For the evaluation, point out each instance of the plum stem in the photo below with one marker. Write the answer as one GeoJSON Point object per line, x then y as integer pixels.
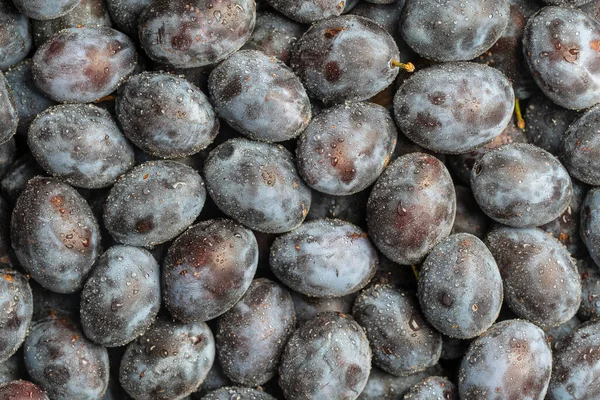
{"type": "Point", "coordinates": [415, 271]}
{"type": "Point", "coordinates": [408, 67]}
{"type": "Point", "coordinates": [520, 120]}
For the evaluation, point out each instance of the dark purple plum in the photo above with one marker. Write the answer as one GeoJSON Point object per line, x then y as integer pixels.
{"type": "Point", "coordinates": [121, 297]}
{"type": "Point", "coordinates": [80, 65]}
{"type": "Point", "coordinates": [208, 269]}
{"type": "Point", "coordinates": [237, 393]}
{"type": "Point", "coordinates": [384, 386]}
{"type": "Point", "coordinates": [580, 147]}
{"type": "Point", "coordinates": [43, 9]}
{"type": "Point", "coordinates": [54, 234]}
{"type": "Point", "coordinates": [441, 109]}
{"type": "Point", "coordinates": [251, 335]}
{"type": "Point", "coordinates": [347, 58]}
{"type": "Point", "coordinates": [16, 303]}
{"type": "Point", "coordinates": [21, 170]}
{"type": "Point", "coordinates": [81, 144]}
{"type": "Point", "coordinates": [453, 349]}
{"type": "Point", "coordinates": [274, 35]}
{"type": "Point", "coordinates": [326, 358]}
{"type": "Point", "coordinates": [411, 208]}
{"type": "Point", "coordinates": [591, 8]}
{"type": "Point", "coordinates": [309, 11]}
{"type": "Point", "coordinates": [9, 114]}
{"type": "Point", "coordinates": [165, 115]}
{"type": "Point", "coordinates": [259, 96]}
{"type": "Point", "coordinates": [453, 31]}
{"type": "Point", "coordinates": [48, 303]}
{"type": "Point", "coordinates": [8, 155]}
{"type": "Point", "coordinates": [63, 362]}
{"type": "Point", "coordinates": [216, 379]}
{"type": "Point", "coordinates": [562, 49]}
{"type": "Point", "coordinates": [153, 203]}
{"type": "Point", "coordinates": [15, 35]}
{"type": "Point", "coordinates": [433, 388]}
{"type": "Point", "coordinates": [347, 208]}
{"type": "Point", "coordinates": [576, 367]}
{"type": "Point", "coordinates": [346, 147]}
{"type": "Point", "coordinates": [469, 217]}
{"type": "Point", "coordinates": [400, 276]}
{"type": "Point", "coordinates": [7, 255]}
{"type": "Point", "coordinates": [324, 258]}
{"type": "Point", "coordinates": [547, 123]}
{"type": "Point", "coordinates": [168, 362]}
{"type": "Point", "coordinates": [511, 360]}
{"type": "Point", "coordinates": [30, 101]}
{"type": "Point", "coordinates": [460, 288]}
{"type": "Point", "coordinates": [258, 185]}
{"type": "Point", "coordinates": [402, 342]}
{"type": "Point", "coordinates": [590, 223]}
{"type": "Point", "coordinates": [22, 390]}
{"type": "Point", "coordinates": [86, 13]}
{"type": "Point", "coordinates": [308, 307]}
{"type": "Point", "coordinates": [126, 13]}
{"type": "Point", "coordinates": [567, 3]}
{"type": "Point", "coordinates": [541, 283]}
{"type": "Point", "coordinates": [194, 33]}
{"type": "Point", "coordinates": [589, 273]}
{"type": "Point", "coordinates": [13, 368]}
{"type": "Point", "coordinates": [558, 333]}
{"type": "Point", "coordinates": [521, 185]}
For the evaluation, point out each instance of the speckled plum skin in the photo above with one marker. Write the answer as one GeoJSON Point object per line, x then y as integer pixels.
{"type": "Point", "coordinates": [9, 114]}
{"type": "Point", "coordinates": [558, 333]}
{"type": "Point", "coordinates": [541, 283]}
{"type": "Point", "coordinates": [259, 96]}
{"type": "Point", "coordinates": [29, 100]}
{"type": "Point", "coordinates": [208, 269]}
{"type": "Point", "coordinates": [63, 362]}
{"type": "Point", "coordinates": [54, 234]}
{"type": "Point", "coordinates": [433, 388]}
{"type": "Point", "coordinates": [347, 58]}
{"type": "Point", "coordinates": [547, 123]}
{"type": "Point", "coordinates": [80, 65]}
{"type": "Point", "coordinates": [274, 35]}
{"type": "Point", "coordinates": [454, 107]}
{"type": "Point", "coordinates": [346, 147]}
{"type": "Point", "coordinates": [567, 3]}
{"type": "Point", "coordinates": [81, 144]}
{"type": "Point", "coordinates": [589, 273]}
{"type": "Point", "coordinates": [165, 115]}
{"type": "Point", "coordinates": [126, 13]}
{"type": "Point", "coordinates": [590, 223]}
{"type": "Point", "coordinates": [16, 303]}
{"type": "Point", "coordinates": [251, 335]}
{"type": "Point", "coordinates": [411, 208]}
{"type": "Point", "coordinates": [21, 170]}
{"type": "Point", "coordinates": [460, 288]}
{"type": "Point", "coordinates": [324, 258]}
{"type": "Point", "coordinates": [562, 49]}
{"type": "Point", "coordinates": [42, 9]}
{"type": "Point", "coordinates": [521, 185]}
{"type": "Point", "coordinates": [591, 8]}
{"type": "Point", "coordinates": [19, 389]}
{"type": "Point", "coordinates": [309, 11]}
{"type": "Point", "coordinates": [237, 393]}
{"type": "Point", "coordinates": [153, 203]}
{"type": "Point", "coordinates": [453, 31]}
{"type": "Point", "coordinates": [168, 362]}
{"type": "Point", "coordinates": [580, 148]}
{"type": "Point", "coordinates": [121, 297]}
{"type": "Point", "coordinates": [258, 185]}
{"type": "Point", "coordinates": [86, 13]}
{"type": "Point", "coordinates": [402, 342]}
{"type": "Point", "coordinates": [510, 360]}
{"type": "Point", "coordinates": [308, 307]}
{"type": "Point", "coordinates": [576, 369]}
{"type": "Point", "coordinates": [384, 386]}
{"type": "Point", "coordinates": [326, 358]}
{"type": "Point", "coordinates": [189, 34]}
{"type": "Point", "coordinates": [15, 35]}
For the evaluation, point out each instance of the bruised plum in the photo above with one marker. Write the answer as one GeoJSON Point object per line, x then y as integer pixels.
{"type": "Point", "coordinates": [347, 58]}
{"type": "Point", "coordinates": [562, 49]}
{"type": "Point", "coordinates": [54, 234]}
{"type": "Point", "coordinates": [402, 342]}
{"type": "Point", "coordinates": [80, 65]}
{"type": "Point", "coordinates": [17, 390]}
{"type": "Point", "coordinates": [521, 185]}
{"type": "Point", "coordinates": [511, 360]}
{"type": "Point", "coordinates": [257, 184]}
{"type": "Point", "coordinates": [324, 258]}
{"type": "Point", "coordinates": [454, 107]}
{"type": "Point", "coordinates": [194, 33]}
{"type": "Point", "coordinates": [208, 269]}
{"type": "Point", "coordinates": [168, 362]}
{"type": "Point", "coordinates": [346, 147]}
{"type": "Point", "coordinates": [411, 208]}
{"type": "Point", "coordinates": [326, 358]}
{"type": "Point", "coordinates": [80, 144]}
{"type": "Point", "coordinates": [251, 335]}
{"type": "Point", "coordinates": [259, 96]}
{"type": "Point", "coordinates": [64, 362]}
{"type": "Point", "coordinates": [153, 203]}
{"type": "Point", "coordinates": [16, 303]}
{"type": "Point", "coordinates": [540, 279]}
{"type": "Point", "coordinates": [580, 147]}
{"type": "Point", "coordinates": [121, 297]}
